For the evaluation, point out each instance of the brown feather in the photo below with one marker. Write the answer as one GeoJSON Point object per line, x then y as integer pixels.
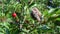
{"type": "Point", "coordinates": [36, 13]}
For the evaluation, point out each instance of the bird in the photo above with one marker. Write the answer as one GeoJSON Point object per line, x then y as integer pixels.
{"type": "Point", "coordinates": [36, 14]}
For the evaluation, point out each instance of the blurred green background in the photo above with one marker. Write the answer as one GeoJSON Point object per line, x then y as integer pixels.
{"type": "Point", "coordinates": [24, 23]}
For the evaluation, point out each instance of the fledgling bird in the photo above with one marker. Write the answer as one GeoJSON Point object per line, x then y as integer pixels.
{"type": "Point", "coordinates": [36, 14]}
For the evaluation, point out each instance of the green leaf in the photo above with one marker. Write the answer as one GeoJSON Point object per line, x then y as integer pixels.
{"type": "Point", "coordinates": [58, 12]}
{"type": "Point", "coordinates": [7, 31]}
{"type": "Point", "coordinates": [58, 19]}
{"type": "Point", "coordinates": [45, 13]}
{"type": "Point", "coordinates": [1, 33]}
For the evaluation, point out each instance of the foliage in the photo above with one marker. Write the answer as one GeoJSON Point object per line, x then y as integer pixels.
{"type": "Point", "coordinates": [24, 23]}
